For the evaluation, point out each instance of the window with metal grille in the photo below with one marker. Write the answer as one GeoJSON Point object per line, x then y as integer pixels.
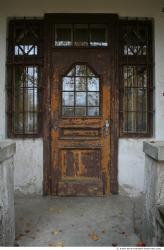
{"type": "Point", "coordinates": [24, 78]}
{"type": "Point", "coordinates": [136, 81]}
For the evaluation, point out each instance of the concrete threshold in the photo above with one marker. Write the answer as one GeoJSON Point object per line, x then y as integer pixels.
{"type": "Point", "coordinates": [75, 221]}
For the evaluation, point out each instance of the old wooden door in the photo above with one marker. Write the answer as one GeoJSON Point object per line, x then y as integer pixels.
{"type": "Point", "coordinates": [80, 104]}
{"type": "Point", "coordinates": [80, 125]}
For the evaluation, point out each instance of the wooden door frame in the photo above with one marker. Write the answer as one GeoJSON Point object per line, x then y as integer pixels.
{"type": "Point", "coordinates": [114, 121]}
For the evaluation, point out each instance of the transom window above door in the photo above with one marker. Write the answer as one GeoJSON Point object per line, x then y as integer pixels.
{"type": "Point", "coordinates": [81, 35]}
{"type": "Point", "coordinates": [80, 92]}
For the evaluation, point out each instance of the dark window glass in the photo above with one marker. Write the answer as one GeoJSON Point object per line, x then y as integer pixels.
{"type": "Point", "coordinates": [24, 88]}
{"type": "Point", "coordinates": [136, 89]}
{"type": "Point", "coordinates": [26, 40]}
{"type": "Point", "coordinates": [98, 35]}
{"type": "Point", "coordinates": [135, 40]}
{"type": "Point", "coordinates": [80, 92]}
{"type": "Point", "coordinates": [135, 99]}
{"type": "Point", "coordinates": [63, 35]}
{"type": "Point", "coordinates": [26, 99]}
{"type": "Point", "coordinates": [81, 35]}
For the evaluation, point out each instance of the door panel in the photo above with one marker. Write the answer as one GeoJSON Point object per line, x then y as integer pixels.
{"type": "Point", "coordinates": [80, 137]}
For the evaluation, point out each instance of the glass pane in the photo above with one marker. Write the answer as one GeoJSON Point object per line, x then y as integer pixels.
{"type": "Point", "coordinates": [26, 76]}
{"type": "Point", "coordinates": [130, 79]}
{"type": "Point", "coordinates": [80, 98]}
{"type": "Point", "coordinates": [93, 99]}
{"type": "Point", "coordinates": [135, 99]}
{"type": "Point", "coordinates": [93, 111]}
{"type": "Point", "coordinates": [68, 98]}
{"type": "Point", "coordinates": [134, 50]}
{"type": "Point", "coordinates": [31, 99]}
{"type": "Point", "coordinates": [26, 99]}
{"type": "Point", "coordinates": [31, 76]}
{"type": "Point", "coordinates": [81, 34]}
{"type": "Point", "coordinates": [81, 70]}
{"type": "Point", "coordinates": [72, 72]}
{"type": "Point", "coordinates": [79, 91]}
{"type": "Point", "coordinates": [80, 111]}
{"type": "Point", "coordinates": [129, 122]}
{"type": "Point", "coordinates": [20, 77]}
{"type": "Point", "coordinates": [19, 100]}
{"type": "Point", "coordinates": [29, 50]}
{"type": "Point", "coordinates": [27, 35]}
{"type": "Point", "coordinates": [68, 111]}
{"type": "Point", "coordinates": [142, 76]}
{"type": "Point", "coordinates": [80, 84]}
{"type": "Point", "coordinates": [68, 83]}
{"type": "Point", "coordinates": [130, 99]}
{"type": "Point", "coordinates": [26, 39]}
{"type": "Point", "coordinates": [135, 76]}
{"type": "Point", "coordinates": [31, 122]}
{"type": "Point", "coordinates": [135, 39]}
{"type": "Point", "coordinates": [63, 35]}
{"type": "Point", "coordinates": [142, 122]}
{"type": "Point", "coordinates": [142, 100]}
{"type": "Point", "coordinates": [93, 84]}
{"type": "Point", "coordinates": [98, 35]}
{"type": "Point", "coordinates": [89, 72]}
{"type": "Point", "coordinates": [18, 122]}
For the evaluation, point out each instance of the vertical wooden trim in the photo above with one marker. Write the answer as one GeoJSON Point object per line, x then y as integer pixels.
{"type": "Point", "coordinates": [114, 109]}
{"type": "Point", "coordinates": [46, 110]}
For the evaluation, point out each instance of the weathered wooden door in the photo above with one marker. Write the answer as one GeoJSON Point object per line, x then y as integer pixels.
{"type": "Point", "coordinates": [80, 121]}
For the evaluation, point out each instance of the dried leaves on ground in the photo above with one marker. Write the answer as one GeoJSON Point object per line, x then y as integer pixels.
{"type": "Point", "coordinates": [93, 236]}
{"type": "Point", "coordinates": [56, 244]}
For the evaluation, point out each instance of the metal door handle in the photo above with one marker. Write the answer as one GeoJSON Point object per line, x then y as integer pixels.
{"type": "Point", "coordinates": [106, 127]}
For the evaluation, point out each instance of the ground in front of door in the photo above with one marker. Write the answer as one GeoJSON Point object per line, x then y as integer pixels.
{"type": "Point", "coordinates": [76, 221]}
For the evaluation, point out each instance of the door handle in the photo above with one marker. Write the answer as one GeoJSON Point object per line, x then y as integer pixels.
{"type": "Point", "coordinates": [106, 127]}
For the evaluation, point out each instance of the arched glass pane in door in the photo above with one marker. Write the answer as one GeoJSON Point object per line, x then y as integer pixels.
{"type": "Point", "coordinates": [80, 92]}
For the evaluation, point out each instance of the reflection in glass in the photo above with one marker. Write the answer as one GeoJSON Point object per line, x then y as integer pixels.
{"type": "Point", "coordinates": [90, 72]}
{"type": "Point", "coordinates": [68, 111]}
{"type": "Point", "coordinates": [135, 50]}
{"type": "Point", "coordinates": [68, 83]}
{"type": "Point", "coordinates": [19, 100]}
{"type": "Point", "coordinates": [63, 35]}
{"type": "Point", "coordinates": [135, 99]}
{"type": "Point", "coordinates": [81, 70]}
{"type": "Point", "coordinates": [68, 98]}
{"type": "Point", "coordinates": [80, 111]}
{"type": "Point", "coordinates": [18, 122]}
{"type": "Point", "coordinates": [28, 50]}
{"type": "Point", "coordinates": [26, 99]}
{"type": "Point", "coordinates": [80, 83]}
{"type": "Point", "coordinates": [93, 84]}
{"type": "Point", "coordinates": [135, 76]}
{"type": "Point", "coordinates": [93, 99]}
{"type": "Point", "coordinates": [72, 72]}
{"type": "Point", "coordinates": [93, 111]}
{"type": "Point", "coordinates": [98, 35]}
{"type": "Point", "coordinates": [80, 99]}
{"type": "Point", "coordinates": [81, 35]}
{"type": "Point", "coordinates": [80, 92]}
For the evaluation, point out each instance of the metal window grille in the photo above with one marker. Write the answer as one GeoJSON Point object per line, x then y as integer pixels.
{"type": "Point", "coordinates": [136, 81]}
{"type": "Point", "coordinates": [24, 88]}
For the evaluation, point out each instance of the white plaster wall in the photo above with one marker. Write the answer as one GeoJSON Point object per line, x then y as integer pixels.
{"type": "Point", "coordinates": [131, 161]}
{"type": "Point", "coordinates": [29, 166]}
{"type": "Point", "coordinates": [29, 162]}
